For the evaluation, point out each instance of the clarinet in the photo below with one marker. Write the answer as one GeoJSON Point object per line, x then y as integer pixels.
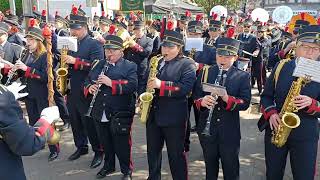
{"type": "Point", "coordinates": [88, 114]}
{"type": "Point", "coordinates": [206, 130]}
{"type": "Point", "coordinates": [23, 56]}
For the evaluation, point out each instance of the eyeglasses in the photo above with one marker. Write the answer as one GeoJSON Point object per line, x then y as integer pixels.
{"type": "Point", "coordinates": [246, 26]}
{"type": "Point", "coordinates": [309, 48]}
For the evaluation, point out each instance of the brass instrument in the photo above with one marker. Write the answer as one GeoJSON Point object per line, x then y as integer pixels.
{"type": "Point", "coordinates": [55, 138]}
{"type": "Point", "coordinates": [147, 97]}
{"type": "Point", "coordinates": [62, 72]}
{"type": "Point", "coordinates": [291, 54]}
{"type": "Point", "coordinates": [126, 44]}
{"type": "Point", "coordinates": [289, 120]}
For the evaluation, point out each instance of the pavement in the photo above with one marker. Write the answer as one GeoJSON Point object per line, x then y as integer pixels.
{"type": "Point", "coordinates": [252, 166]}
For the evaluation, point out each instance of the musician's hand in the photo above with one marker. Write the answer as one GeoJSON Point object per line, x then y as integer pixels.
{"type": "Point", "coordinates": [256, 53]}
{"type": "Point", "coordinates": [70, 59]}
{"type": "Point", "coordinates": [21, 65]}
{"type": "Point", "coordinates": [225, 98]}
{"type": "Point", "coordinates": [103, 79]}
{"type": "Point", "coordinates": [208, 101]}
{"type": "Point", "coordinates": [274, 121]}
{"type": "Point", "coordinates": [302, 101]}
{"type": "Point", "coordinates": [197, 65]}
{"type": "Point", "coordinates": [154, 83]}
{"type": "Point", "coordinates": [93, 88]}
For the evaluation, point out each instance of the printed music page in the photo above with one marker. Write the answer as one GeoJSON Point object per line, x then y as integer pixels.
{"type": "Point", "coordinates": [196, 43]}
{"type": "Point", "coordinates": [307, 67]}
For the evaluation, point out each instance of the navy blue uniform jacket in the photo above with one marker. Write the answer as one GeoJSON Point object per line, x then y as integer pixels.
{"type": "Point", "coordinates": [225, 119]}
{"type": "Point", "coordinates": [170, 104]}
{"type": "Point", "coordinates": [274, 95]}
{"type": "Point", "coordinates": [119, 97]}
{"type": "Point", "coordinates": [18, 138]}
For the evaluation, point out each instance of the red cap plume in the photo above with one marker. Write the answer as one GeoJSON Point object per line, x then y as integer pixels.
{"type": "Point", "coordinates": [215, 16]}
{"type": "Point", "coordinates": [43, 13]}
{"type": "Point", "coordinates": [170, 25]}
{"type": "Point", "coordinates": [318, 21]}
{"type": "Point", "coordinates": [230, 32]}
{"type": "Point", "coordinates": [199, 17]}
{"type": "Point", "coordinates": [75, 10]}
{"type": "Point", "coordinates": [46, 32]}
{"type": "Point", "coordinates": [286, 29]}
{"type": "Point", "coordinates": [303, 15]}
{"type": "Point", "coordinates": [103, 13]}
{"type": "Point", "coordinates": [188, 13]}
{"type": "Point", "coordinates": [264, 23]}
{"type": "Point", "coordinates": [32, 22]}
{"type": "Point", "coordinates": [112, 29]}
{"type": "Point", "coordinates": [34, 8]}
{"type": "Point", "coordinates": [229, 21]}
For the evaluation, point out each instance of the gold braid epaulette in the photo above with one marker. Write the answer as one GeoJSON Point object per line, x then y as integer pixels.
{"type": "Point", "coordinates": [278, 70]}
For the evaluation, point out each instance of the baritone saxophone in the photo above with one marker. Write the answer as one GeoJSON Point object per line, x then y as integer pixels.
{"type": "Point", "coordinates": [147, 97]}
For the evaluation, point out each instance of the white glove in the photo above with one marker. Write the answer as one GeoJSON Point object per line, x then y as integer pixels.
{"type": "Point", "coordinates": [50, 114]}
{"type": "Point", "coordinates": [15, 88]}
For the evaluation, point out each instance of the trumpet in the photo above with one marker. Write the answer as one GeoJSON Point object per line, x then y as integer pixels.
{"type": "Point", "coordinates": [88, 114]}
{"type": "Point", "coordinates": [127, 43]}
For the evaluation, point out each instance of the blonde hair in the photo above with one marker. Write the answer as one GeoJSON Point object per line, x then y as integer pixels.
{"type": "Point", "coordinates": [41, 49]}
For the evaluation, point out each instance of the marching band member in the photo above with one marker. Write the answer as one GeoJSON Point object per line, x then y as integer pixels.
{"type": "Point", "coordinates": [303, 141]}
{"type": "Point", "coordinates": [9, 52]}
{"type": "Point", "coordinates": [154, 34]}
{"type": "Point", "coordinates": [183, 23]}
{"type": "Point", "coordinates": [61, 25]}
{"type": "Point", "coordinates": [289, 49]}
{"type": "Point", "coordinates": [79, 65]}
{"type": "Point", "coordinates": [14, 35]}
{"type": "Point", "coordinates": [115, 99]}
{"type": "Point", "coordinates": [258, 70]}
{"type": "Point", "coordinates": [224, 142]}
{"type": "Point", "coordinates": [34, 73]}
{"type": "Point", "coordinates": [249, 43]}
{"type": "Point", "coordinates": [105, 23]}
{"type": "Point", "coordinates": [215, 30]}
{"type": "Point", "coordinates": [169, 111]}
{"type": "Point", "coordinates": [139, 52]}
{"type": "Point", "coordinates": [206, 57]}
{"type": "Point", "coordinates": [17, 138]}
{"type": "Point", "coordinates": [96, 22]}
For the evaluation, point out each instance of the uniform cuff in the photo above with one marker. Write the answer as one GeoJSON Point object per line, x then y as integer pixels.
{"type": "Point", "coordinates": [138, 48]}
{"type": "Point", "coordinates": [79, 64]}
{"type": "Point", "coordinates": [268, 112]}
{"type": "Point", "coordinates": [117, 86]}
{"type": "Point", "coordinates": [233, 102]}
{"type": "Point", "coordinates": [42, 125]}
{"type": "Point", "coordinates": [6, 69]}
{"type": "Point", "coordinates": [27, 74]}
{"type": "Point", "coordinates": [314, 107]}
{"type": "Point", "coordinates": [281, 54]}
{"type": "Point", "coordinates": [198, 103]}
{"type": "Point", "coordinates": [167, 88]}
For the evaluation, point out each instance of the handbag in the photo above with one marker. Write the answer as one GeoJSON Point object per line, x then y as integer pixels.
{"type": "Point", "coordinates": [121, 122]}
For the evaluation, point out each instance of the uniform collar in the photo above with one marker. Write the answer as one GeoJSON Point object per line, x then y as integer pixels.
{"type": "Point", "coordinates": [119, 62]}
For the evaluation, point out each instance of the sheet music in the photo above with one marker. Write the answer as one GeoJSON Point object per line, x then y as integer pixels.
{"type": "Point", "coordinates": [196, 43]}
{"type": "Point", "coordinates": [308, 67]}
{"type": "Point", "coordinates": [70, 42]}
{"type": "Point", "coordinates": [214, 89]}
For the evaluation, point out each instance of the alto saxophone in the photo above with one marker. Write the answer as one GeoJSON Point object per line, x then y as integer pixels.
{"type": "Point", "coordinates": [62, 72]}
{"type": "Point", "coordinates": [289, 120]}
{"type": "Point", "coordinates": [147, 97]}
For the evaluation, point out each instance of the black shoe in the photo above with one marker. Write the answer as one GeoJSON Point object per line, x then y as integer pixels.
{"type": "Point", "coordinates": [53, 156]}
{"type": "Point", "coordinates": [64, 127]}
{"type": "Point", "coordinates": [126, 177]}
{"type": "Point", "coordinates": [97, 160]}
{"type": "Point", "coordinates": [79, 152]}
{"type": "Point", "coordinates": [104, 172]}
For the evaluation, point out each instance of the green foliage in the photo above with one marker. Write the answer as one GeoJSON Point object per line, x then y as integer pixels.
{"type": "Point", "coordinates": [209, 4]}
{"type": "Point", "coordinates": [4, 5]}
